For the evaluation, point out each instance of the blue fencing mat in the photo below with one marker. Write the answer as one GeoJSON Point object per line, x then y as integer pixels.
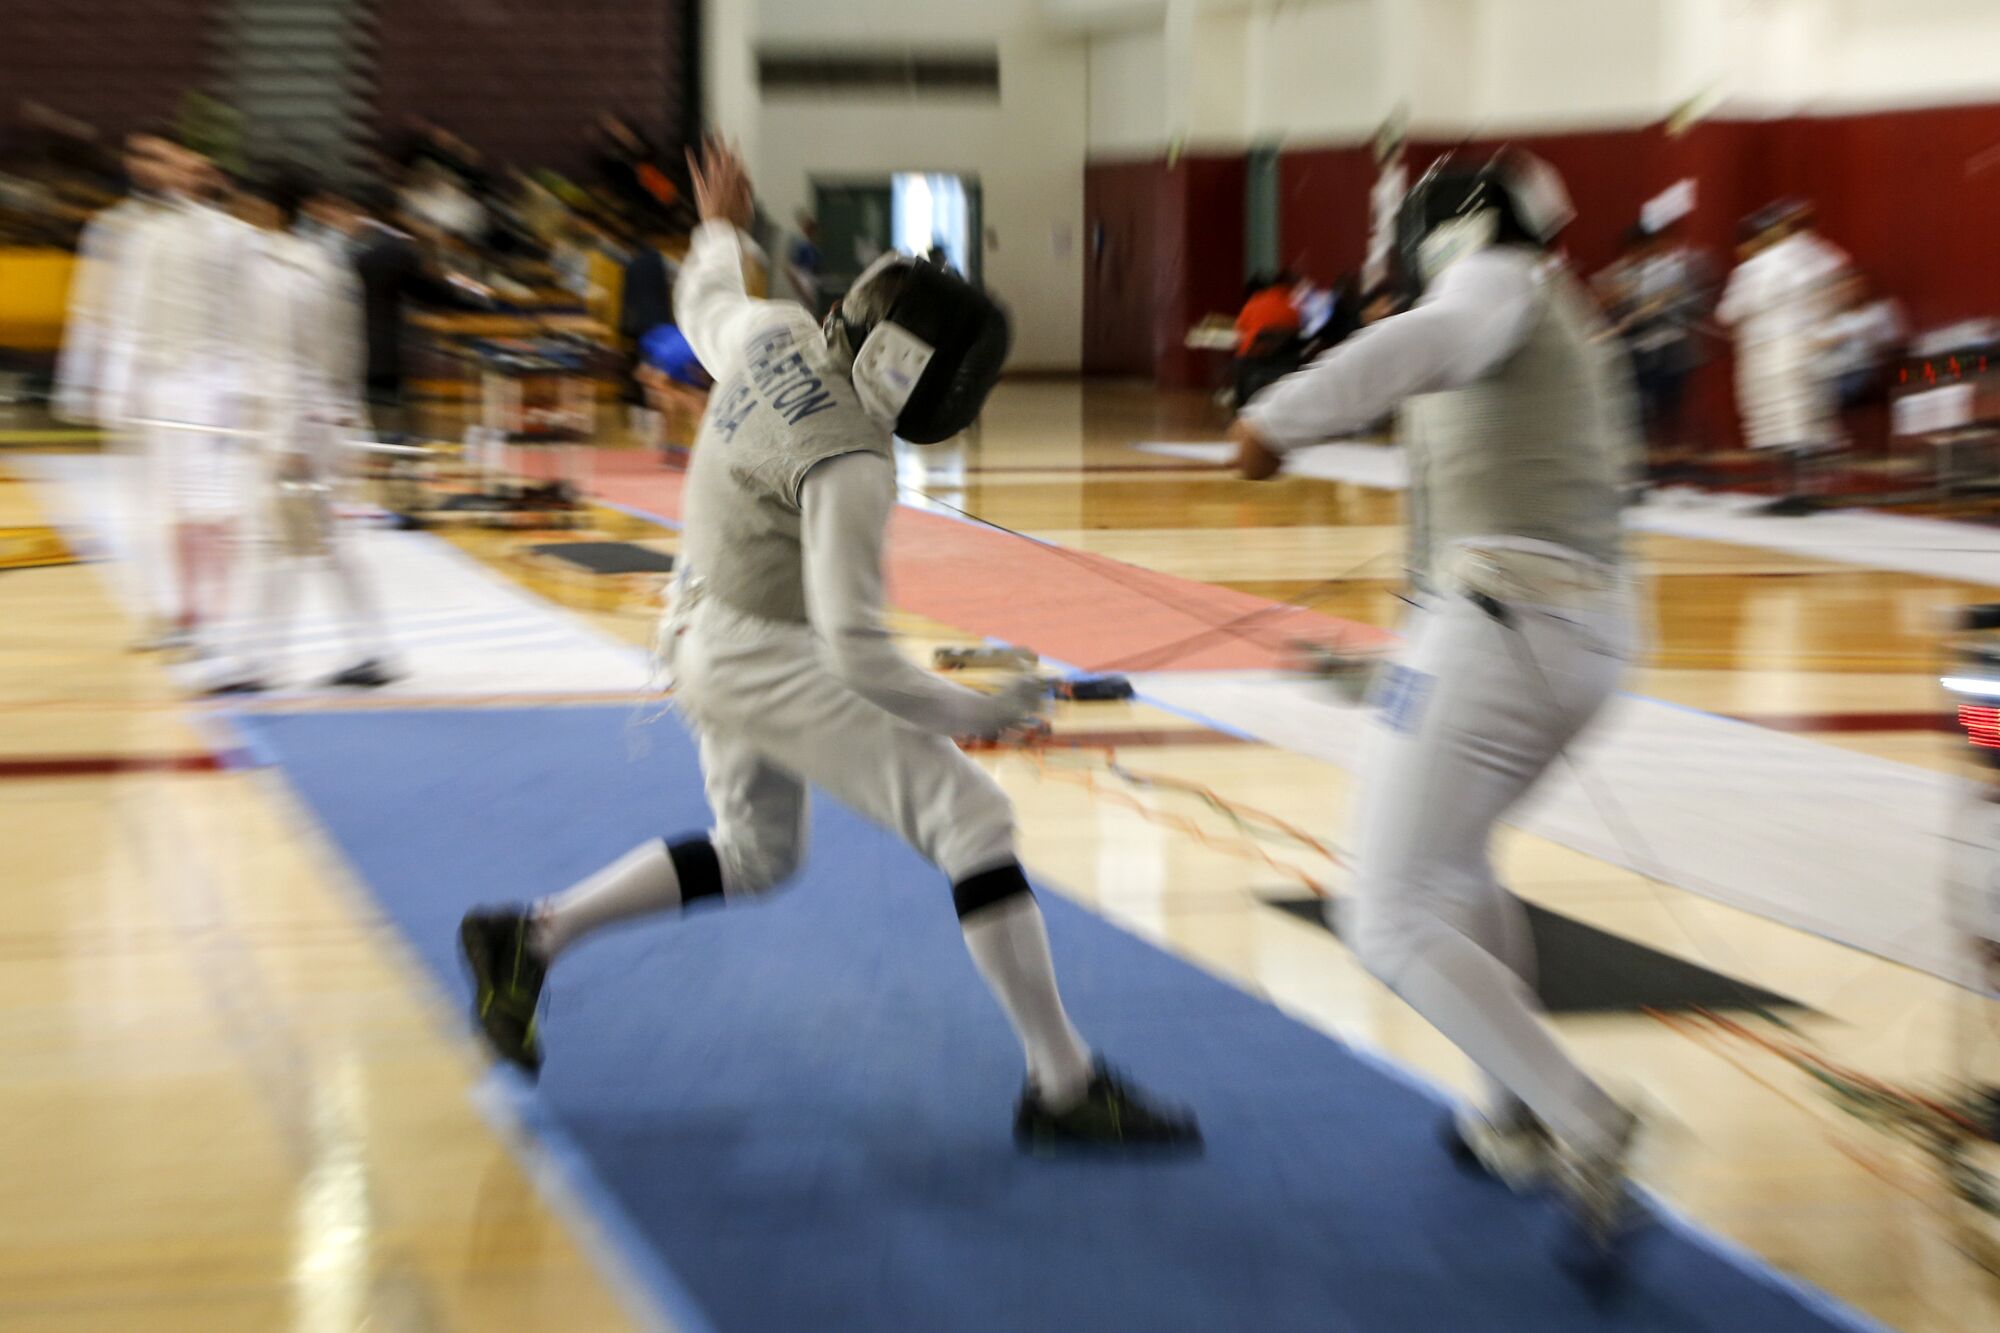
{"type": "Point", "coordinates": [799, 1110]}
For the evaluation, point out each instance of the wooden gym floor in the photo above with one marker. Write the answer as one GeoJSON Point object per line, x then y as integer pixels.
{"type": "Point", "coordinates": [230, 1101]}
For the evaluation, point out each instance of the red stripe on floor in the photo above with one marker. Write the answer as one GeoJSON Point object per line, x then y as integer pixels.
{"type": "Point", "coordinates": [105, 765]}
{"type": "Point", "coordinates": [1810, 722]}
{"type": "Point", "coordinates": [1092, 612]}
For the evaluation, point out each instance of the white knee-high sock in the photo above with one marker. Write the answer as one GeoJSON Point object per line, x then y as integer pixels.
{"type": "Point", "coordinates": [1010, 946]}
{"type": "Point", "coordinates": [638, 883]}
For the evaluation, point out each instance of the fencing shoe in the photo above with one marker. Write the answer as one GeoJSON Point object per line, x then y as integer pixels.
{"type": "Point", "coordinates": [507, 983]}
{"type": "Point", "coordinates": [1110, 1114]}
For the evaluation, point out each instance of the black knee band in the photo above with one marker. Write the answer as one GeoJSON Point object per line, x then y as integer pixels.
{"type": "Point", "coordinates": [697, 868]}
{"type": "Point", "coordinates": [977, 892]}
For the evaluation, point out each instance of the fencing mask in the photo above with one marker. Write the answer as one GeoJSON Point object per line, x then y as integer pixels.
{"type": "Point", "coordinates": [928, 346]}
{"type": "Point", "coordinates": [1460, 207]}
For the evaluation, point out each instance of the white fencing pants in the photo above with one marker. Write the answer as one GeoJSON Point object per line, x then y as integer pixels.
{"type": "Point", "coordinates": [771, 719]}
{"type": "Point", "coordinates": [280, 585]}
{"type": "Point", "coordinates": [1784, 401]}
{"type": "Point", "coordinates": [1468, 715]}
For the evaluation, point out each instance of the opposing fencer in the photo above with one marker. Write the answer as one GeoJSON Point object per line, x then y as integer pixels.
{"type": "Point", "coordinates": [786, 676]}
{"type": "Point", "coordinates": [1517, 419]}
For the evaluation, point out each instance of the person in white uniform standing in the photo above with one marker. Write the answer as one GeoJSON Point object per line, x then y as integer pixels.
{"type": "Point", "coordinates": [1777, 302]}
{"type": "Point", "coordinates": [1517, 418]}
{"type": "Point", "coordinates": [306, 385]}
{"type": "Point", "coordinates": [87, 367]}
{"type": "Point", "coordinates": [179, 366]}
{"type": "Point", "coordinates": [786, 675]}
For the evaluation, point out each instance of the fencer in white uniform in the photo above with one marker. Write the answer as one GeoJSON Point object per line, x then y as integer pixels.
{"type": "Point", "coordinates": [178, 370]}
{"type": "Point", "coordinates": [784, 672]}
{"type": "Point", "coordinates": [1517, 418]}
{"type": "Point", "coordinates": [1777, 302]}
{"type": "Point", "coordinates": [85, 369]}
{"type": "Point", "coordinates": [306, 374]}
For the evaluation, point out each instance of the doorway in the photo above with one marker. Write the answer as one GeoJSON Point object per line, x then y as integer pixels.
{"type": "Point", "coordinates": [935, 213]}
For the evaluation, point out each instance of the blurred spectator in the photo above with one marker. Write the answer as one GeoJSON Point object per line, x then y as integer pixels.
{"type": "Point", "coordinates": [645, 309]}
{"type": "Point", "coordinates": [177, 370]}
{"type": "Point", "coordinates": [393, 274]}
{"type": "Point", "coordinates": [104, 257]}
{"type": "Point", "coordinates": [1328, 318]}
{"type": "Point", "coordinates": [638, 172]}
{"type": "Point", "coordinates": [1658, 296]}
{"type": "Point", "coordinates": [107, 260]}
{"type": "Point", "coordinates": [1777, 301]}
{"type": "Point", "coordinates": [304, 317]}
{"type": "Point", "coordinates": [424, 144]}
{"type": "Point", "coordinates": [676, 386]}
{"type": "Point", "coordinates": [438, 198]}
{"type": "Point", "coordinates": [1268, 346]}
{"type": "Point", "coordinates": [803, 264]}
{"type": "Point", "coordinates": [1385, 200]}
{"type": "Point", "coordinates": [1858, 341]}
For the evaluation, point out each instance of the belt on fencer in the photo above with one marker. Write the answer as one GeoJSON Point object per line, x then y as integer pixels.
{"type": "Point", "coordinates": [1528, 574]}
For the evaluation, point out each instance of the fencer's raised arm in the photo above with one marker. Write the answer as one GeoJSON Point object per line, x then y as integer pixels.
{"type": "Point", "coordinates": [845, 504]}
{"type": "Point", "coordinates": [713, 308]}
{"type": "Point", "coordinates": [1475, 315]}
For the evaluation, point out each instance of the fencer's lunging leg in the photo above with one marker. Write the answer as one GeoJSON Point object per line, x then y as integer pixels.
{"type": "Point", "coordinates": [1464, 731]}
{"type": "Point", "coordinates": [755, 845]}
{"type": "Point", "coordinates": [1503, 928]}
{"type": "Point", "coordinates": [922, 787]}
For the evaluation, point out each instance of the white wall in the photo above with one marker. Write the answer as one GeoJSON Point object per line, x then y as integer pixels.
{"type": "Point", "coordinates": [1558, 63]}
{"type": "Point", "coordinates": [1128, 94]}
{"type": "Point", "coordinates": [1904, 53]}
{"type": "Point", "coordinates": [1027, 148]}
{"type": "Point", "coordinates": [1216, 108]}
{"type": "Point", "coordinates": [1318, 76]}
{"type": "Point", "coordinates": [1329, 71]}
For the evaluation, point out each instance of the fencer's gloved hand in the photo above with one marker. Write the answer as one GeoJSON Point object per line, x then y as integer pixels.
{"type": "Point", "coordinates": [1255, 460]}
{"type": "Point", "coordinates": [1015, 706]}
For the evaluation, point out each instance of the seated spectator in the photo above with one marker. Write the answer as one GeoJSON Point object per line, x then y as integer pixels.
{"type": "Point", "coordinates": [1858, 341]}
{"type": "Point", "coordinates": [1341, 316]}
{"type": "Point", "coordinates": [1268, 346]}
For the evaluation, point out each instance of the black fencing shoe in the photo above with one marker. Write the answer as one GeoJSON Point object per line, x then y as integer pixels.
{"type": "Point", "coordinates": [238, 685]}
{"type": "Point", "coordinates": [1595, 1187]}
{"type": "Point", "coordinates": [369, 674]}
{"type": "Point", "coordinates": [507, 983]}
{"type": "Point", "coordinates": [1111, 1114]}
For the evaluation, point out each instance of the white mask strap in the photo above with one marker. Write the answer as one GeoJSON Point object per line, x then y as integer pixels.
{"type": "Point", "coordinates": [887, 368]}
